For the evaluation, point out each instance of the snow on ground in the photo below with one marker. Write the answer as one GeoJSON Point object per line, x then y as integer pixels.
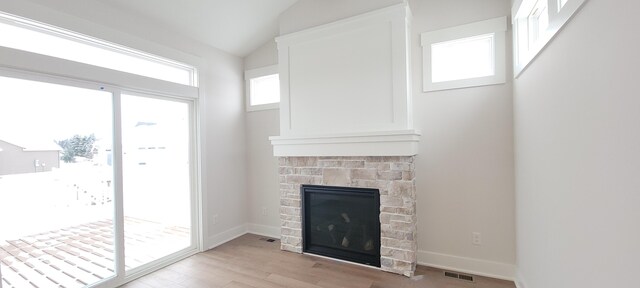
{"type": "Point", "coordinates": [37, 202]}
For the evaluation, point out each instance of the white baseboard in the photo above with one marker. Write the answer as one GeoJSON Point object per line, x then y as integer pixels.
{"type": "Point", "coordinates": [473, 266]}
{"type": "Point", "coordinates": [226, 236]}
{"type": "Point", "coordinates": [264, 230]}
{"type": "Point", "coordinates": [519, 280]}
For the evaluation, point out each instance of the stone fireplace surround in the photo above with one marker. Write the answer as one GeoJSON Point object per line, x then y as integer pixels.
{"type": "Point", "coordinates": [394, 176]}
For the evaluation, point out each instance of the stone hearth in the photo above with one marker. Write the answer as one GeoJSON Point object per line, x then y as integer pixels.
{"type": "Point", "coordinates": [395, 178]}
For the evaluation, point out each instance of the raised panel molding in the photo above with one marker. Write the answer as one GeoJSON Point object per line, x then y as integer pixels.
{"type": "Point", "coordinates": [345, 88]}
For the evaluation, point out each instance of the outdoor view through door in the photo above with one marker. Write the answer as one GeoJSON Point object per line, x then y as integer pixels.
{"type": "Point", "coordinates": [56, 185]}
{"type": "Point", "coordinates": [59, 182]}
{"type": "Point", "coordinates": [155, 144]}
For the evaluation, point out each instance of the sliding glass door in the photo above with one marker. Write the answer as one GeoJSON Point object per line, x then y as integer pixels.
{"type": "Point", "coordinates": [156, 173]}
{"type": "Point", "coordinates": [77, 210]}
{"type": "Point", "coordinates": [56, 185]}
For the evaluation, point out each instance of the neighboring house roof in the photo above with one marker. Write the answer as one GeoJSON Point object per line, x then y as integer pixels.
{"type": "Point", "coordinates": [32, 145]}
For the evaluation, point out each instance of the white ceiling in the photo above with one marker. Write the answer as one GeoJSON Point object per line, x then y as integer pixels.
{"type": "Point", "coordinates": [237, 27]}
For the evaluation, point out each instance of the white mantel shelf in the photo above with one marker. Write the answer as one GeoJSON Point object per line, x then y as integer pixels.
{"type": "Point", "coordinates": [383, 143]}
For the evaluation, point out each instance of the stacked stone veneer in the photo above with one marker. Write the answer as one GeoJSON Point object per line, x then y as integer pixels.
{"type": "Point", "coordinates": [393, 176]}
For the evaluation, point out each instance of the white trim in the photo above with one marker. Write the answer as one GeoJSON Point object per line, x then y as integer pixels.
{"type": "Point", "coordinates": [118, 190]}
{"type": "Point", "coordinates": [156, 265]}
{"type": "Point", "coordinates": [522, 57]}
{"type": "Point", "coordinates": [13, 59]}
{"type": "Point", "coordinates": [255, 73]}
{"type": "Point", "coordinates": [240, 230]}
{"type": "Point", "coordinates": [264, 230]}
{"type": "Point", "coordinates": [387, 143]}
{"type": "Point", "coordinates": [496, 26]}
{"type": "Point", "coordinates": [226, 236]}
{"type": "Point", "coordinates": [473, 266]}
{"type": "Point", "coordinates": [47, 29]}
{"type": "Point", "coordinates": [519, 280]}
{"type": "Point", "coordinates": [201, 140]}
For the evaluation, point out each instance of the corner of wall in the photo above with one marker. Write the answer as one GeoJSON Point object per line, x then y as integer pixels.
{"type": "Point", "coordinates": [518, 280]}
{"type": "Point", "coordinates": [264, 230]}
{"type": "Point", "coordinates": [225, 236]}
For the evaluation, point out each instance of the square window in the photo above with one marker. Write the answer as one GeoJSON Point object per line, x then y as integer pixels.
{"type": "Point", "coordinates": [262, 88]}
{"type": "Point", "coordinates": [465, 56]}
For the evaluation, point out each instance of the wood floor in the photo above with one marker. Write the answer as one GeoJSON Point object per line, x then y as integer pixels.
{"type": "Point", "coordinates": [249, 262]}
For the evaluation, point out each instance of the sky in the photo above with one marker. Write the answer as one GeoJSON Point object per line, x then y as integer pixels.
{"type": "Point", "coordinates": [38, 113]}
{"type": "Point", "coordinates": [35, 114]}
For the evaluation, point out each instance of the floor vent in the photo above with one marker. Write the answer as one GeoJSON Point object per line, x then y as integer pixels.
{"type": "Point", "coordinates": [268, 239]}
{"type": "Point", "coordinates": [458, 276]}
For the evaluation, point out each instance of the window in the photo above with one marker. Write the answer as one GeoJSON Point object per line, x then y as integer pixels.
{"type": "Point", "coordinates": [538, 21]}
{"type": "Point", "coordinates": [561, 4]}
{"type": "Point", "coordinates": [262, 88]}
{"type": "Point", "coordinates": [464, 56]}
{"type": "Point", "coordinates": [27, 35]}
{"type": "Point", "coordinates": [535, 22]}
{"type": "Point", "coordinates": [462, 59]}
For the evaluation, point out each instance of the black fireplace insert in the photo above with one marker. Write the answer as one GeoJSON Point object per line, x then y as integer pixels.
{"type": "Point", "coordinates": [342, 223]}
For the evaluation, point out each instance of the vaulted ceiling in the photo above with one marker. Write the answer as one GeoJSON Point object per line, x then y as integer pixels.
{"type": "Point", "coordinates": [237, 27]}
{"type": "Point", "coordinates": [234, 26]}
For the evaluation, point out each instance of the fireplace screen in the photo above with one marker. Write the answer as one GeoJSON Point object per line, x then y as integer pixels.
{"type": "Point", "coordinates": [342, 222]}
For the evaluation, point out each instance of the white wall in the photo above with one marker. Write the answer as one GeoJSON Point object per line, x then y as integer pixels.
{"type": "Point", "coordinates": [465, 166]}
{"type": "Point", "coordinates": [222, 117]}
{"type": "Point", "coordinates": [262, 167]}
{"type": "Point", "coordinates": [577, 123]}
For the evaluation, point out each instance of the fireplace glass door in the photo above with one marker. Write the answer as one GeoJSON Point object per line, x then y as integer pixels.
{"type": "Point", "coordinates": [342, 223]}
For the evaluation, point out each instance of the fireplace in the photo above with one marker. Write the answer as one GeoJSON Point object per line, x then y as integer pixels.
{"type": "Point", "coordinates": [346, 119]}
{"type": "Point", "coordinates": [341, 222]}
{"type": "Point", "coordinates": [393, 177]}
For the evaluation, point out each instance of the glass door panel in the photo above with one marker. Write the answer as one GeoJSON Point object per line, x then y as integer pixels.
{"type": "Point", "coordinates": [156, 178]}
{"type": "Point", "coordinates": [56, 185]}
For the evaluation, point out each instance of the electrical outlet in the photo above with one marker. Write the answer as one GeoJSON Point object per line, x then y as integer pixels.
{"type": "Point", "coordinates": [476, 238]}
{"type": "Point", "coordinates": [264, 211]}
{"type": "Point", "coordinates": [215, 219]}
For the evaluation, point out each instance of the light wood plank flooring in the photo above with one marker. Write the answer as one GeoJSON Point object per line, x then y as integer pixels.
{"type": "Point", "coordinates": [249, 262]}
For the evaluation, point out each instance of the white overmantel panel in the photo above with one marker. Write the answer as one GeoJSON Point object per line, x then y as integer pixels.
{"type": "Point", "coordinates": [346, 77]}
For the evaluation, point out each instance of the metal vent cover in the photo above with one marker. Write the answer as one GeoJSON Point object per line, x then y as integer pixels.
{"type": "Point", "coordinates": [455, 275]}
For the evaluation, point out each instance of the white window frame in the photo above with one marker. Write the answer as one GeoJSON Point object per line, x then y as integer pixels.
{"type": "Point", "coordinates": [256, 73]}
{"type": "Point", "coordinates": [495, 26]}
{"type": "Point", "coordinates": [115, 49]}
{"type": "Point", "coordinates": [523, 51]}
